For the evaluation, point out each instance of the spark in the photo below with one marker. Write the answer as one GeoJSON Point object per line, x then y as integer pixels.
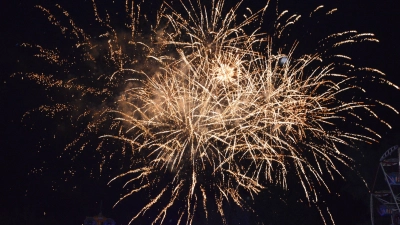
{"type": "Point", "coordinates": [203, 105]}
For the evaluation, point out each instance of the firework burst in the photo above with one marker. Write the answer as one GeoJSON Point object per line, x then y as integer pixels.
{"type": "Point", "coordinates": [207, 104]}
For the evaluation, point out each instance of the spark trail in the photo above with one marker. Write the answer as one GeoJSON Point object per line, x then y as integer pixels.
{"type": "Point", "coordinates": [206, 104]}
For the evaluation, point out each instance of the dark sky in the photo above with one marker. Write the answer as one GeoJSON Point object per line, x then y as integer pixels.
{"type": "Point", "coordinates": [28, 198]}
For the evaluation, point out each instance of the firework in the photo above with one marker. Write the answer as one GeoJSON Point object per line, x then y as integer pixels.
{"type": "Point", "coordinates": [207, 104]}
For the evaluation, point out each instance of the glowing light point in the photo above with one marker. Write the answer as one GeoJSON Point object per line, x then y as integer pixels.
{"type": "Point", "coordinates": [282, 61]}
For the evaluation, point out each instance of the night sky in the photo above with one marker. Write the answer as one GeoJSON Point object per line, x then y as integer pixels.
{"type": "Point", "coordinates": [33, 190]}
